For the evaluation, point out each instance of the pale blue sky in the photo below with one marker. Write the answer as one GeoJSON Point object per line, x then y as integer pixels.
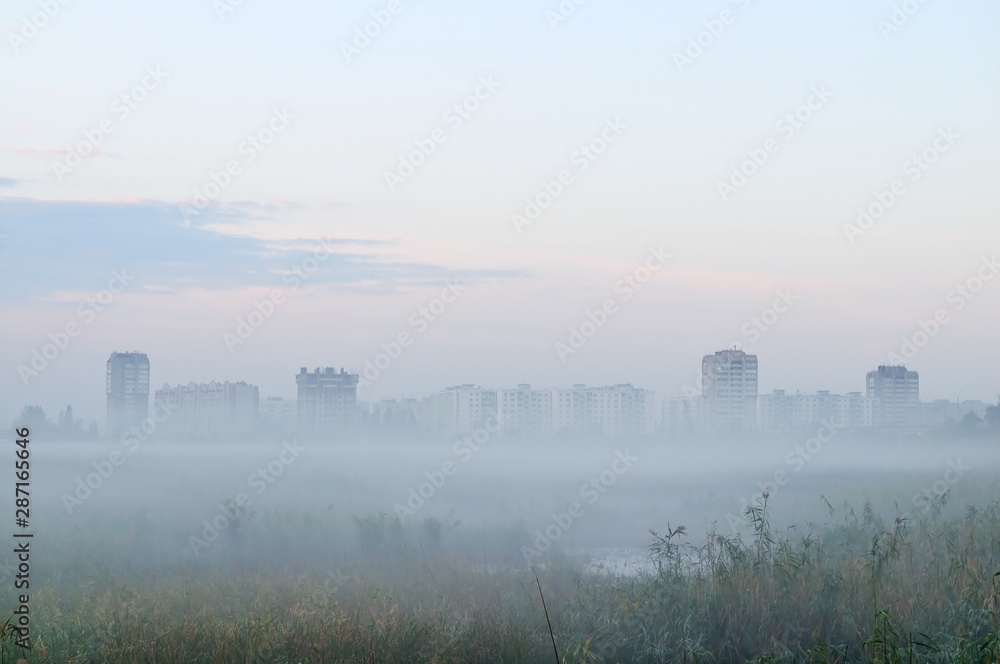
{"type": "Point", "coordinates": [323, 176]}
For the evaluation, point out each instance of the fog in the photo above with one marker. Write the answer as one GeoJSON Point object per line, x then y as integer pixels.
{"type": "Point", "coordinates": [408, 544]}
{"type": "Point", "coordinates": [524, 331]}
{"type": "Point", "coordinates": [301, 498]}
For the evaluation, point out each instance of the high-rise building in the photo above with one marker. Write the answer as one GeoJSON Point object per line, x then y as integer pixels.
{"type": "Point", "coordinates": [128, 391]}
{"type": "Point", "coordinates": [898, 394]}
{"type": "Point", "coordinates": [327, 402]}
{"type": "Point", "coordinates": [210, 409]}
{"type": "Point", "coordinates": [729, 385]}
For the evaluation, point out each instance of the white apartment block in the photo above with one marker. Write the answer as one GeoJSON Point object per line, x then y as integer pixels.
{"type": "Point", "coordinates": [862, 410]}
{"type": "Point", "coordinates": [781, 412]}
{"type": "Point", "coordinates": [898, 394]}
{"type": "Point", "coordinates": [459, 410]}
{"type": "Point", "coordinates": [327, 402]}
{"type": "Point", "coordinates": [279, 414]}
{"type": "Point", "coordinates": [729, 385]}
{"type": "Point", "coordinates": [620, 410]}
{"type": "Point", "coordinates": [569, 408]}
{"type": "Point", "coordinates": [212, 409]}
{"type": "Point", "coordinates": [525, 411]}
{"type": "Point", "coordinates": [617, 410]}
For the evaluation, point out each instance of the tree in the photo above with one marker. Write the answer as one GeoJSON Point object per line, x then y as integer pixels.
{"type": "Point", "coordinates": [68, 425]}
{"type": "Point", "coordinates": [971, 421]}
{"type": "Point", "coordinates": [34, 418]}
{"type": "Point", "coordinates": [993, 416]}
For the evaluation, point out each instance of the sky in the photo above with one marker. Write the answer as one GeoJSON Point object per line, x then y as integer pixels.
{"type": "Point", "coordinates": [169, 170]}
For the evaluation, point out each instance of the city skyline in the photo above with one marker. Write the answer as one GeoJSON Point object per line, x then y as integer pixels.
{"type": "Point", "coordinates": [674, 322]}
{"type": "Point", "coordinates": [810, 197]}
{"type": "Point", "coordinates": [724, 399]}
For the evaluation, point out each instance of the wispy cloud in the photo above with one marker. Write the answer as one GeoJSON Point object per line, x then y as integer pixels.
{"type": "Point", "coordinates": [64, 244]}
{"type": "Point", "coordinates": [8, 182]}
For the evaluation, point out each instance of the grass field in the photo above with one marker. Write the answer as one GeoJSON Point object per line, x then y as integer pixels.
{"type": "Point", "coordinates": [855, 588]}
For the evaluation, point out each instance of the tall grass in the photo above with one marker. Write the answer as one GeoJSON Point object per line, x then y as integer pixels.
{"type": "Point", "coordinates": [855, 588]}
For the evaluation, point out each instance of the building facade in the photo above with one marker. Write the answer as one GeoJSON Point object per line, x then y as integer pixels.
{"type": "Point", "coordinates": [617, 410]}
{"type": "Point", "coordinates": [210, 409]}
{"type": "Point", "coordinates": [524, 411]}
{"type": "Point", "coordinates": [729, 385]}
{"type": "Point", "coordinates": [898, 393]}
{"type": "Point", "coordinates": [862, 410]}
{"type": "Point", "coordinates": [781, 412]}
{"type": "Point", "coordinates": [459, 410]}
{"type": "Point", "coordinates": [569, 408]}
{"type": "Point", "coordinates": [279, 414]}
{"type": "Point", "coordinates": [327, 402]}
{"type": "Point", "coordinates": [620, 410]}
{"type": "Point", "coordinates": [127, 387]}
{"type": "Point", "coordinates": [683, 416]}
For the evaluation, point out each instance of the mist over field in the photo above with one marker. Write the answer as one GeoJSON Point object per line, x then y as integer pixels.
{"type": "Point", "coordinates": [441, 332]}
{"type": "Point", "coordinates": [624, 488]}
{"type": "Point", "coordinates": [271, 534]}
